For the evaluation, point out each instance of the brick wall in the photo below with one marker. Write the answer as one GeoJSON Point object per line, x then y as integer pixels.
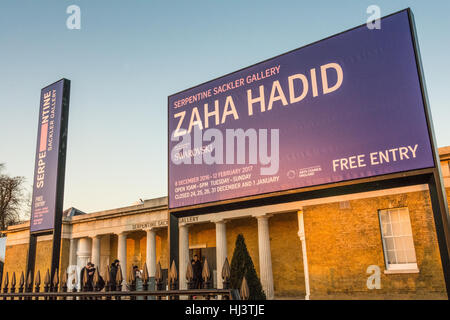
{"type": "Point", "coordinates": [342, 243]}
{"type": "Point", "coordinates": [162, 251]}
{"type": "Point", "coordinates": [16, 258]}
{"type": "Point", "coordinates": [202, 234]}
{"type": "Point", "coordinates": [286, 251]}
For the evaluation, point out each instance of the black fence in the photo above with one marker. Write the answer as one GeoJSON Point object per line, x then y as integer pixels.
{"type": "Point", "coordinates": [95, 288]}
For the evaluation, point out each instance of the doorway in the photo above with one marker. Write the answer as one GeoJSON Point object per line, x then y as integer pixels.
{"type": "Point", "coordinates": [210, 255]}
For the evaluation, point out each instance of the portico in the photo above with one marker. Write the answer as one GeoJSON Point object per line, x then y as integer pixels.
{"type": "Point", "coordinates": [133, 238]}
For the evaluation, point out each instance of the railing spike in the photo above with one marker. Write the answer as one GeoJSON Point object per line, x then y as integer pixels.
{"type": "Point", "coordinates": [63, 287]}
{"type": "Point", "coordinates": [245, 292]}
{"type": "Point", "coordinates": [56, 278]}
{"type": "Point", "coordinates": [29, 280]}
{"type": "Point", "coordinates": [226, 275]}
{"type": "Point", "coordinates": [47, 278]}
{"type": "Point", "coordinates": [206, 274]}
{"type": "Point", "coordinates": [96, 278]}
{"type": "Point", "coordinates": [13, 279]}
{"type": "Point", "coordinates": [173, 272]}
{"type": "Point", "coordinates": [5, 284]}
{"type": "Point", "coordinates": [107, 275]}
{"type": "Point", "coordinates": [96, 275]}
{"type": "Point", "coordinates": [85, 277]}
{"type": "Point", "coordinates": [119, 276]}
{"type": "Point", "coordinates": [145, 273]}
{"type": "Point", "coordinates": [22, 280]}
{"type": "Point", "coordinates": [37, 282]}
{"type": "Point", "coordinates": [64, 279]}
{"type": "Point", "coordinates": [158, 273]}
{"type": "Point", "coordinates": [189, 272]}
{"type": "Point", "coordinates": [226, 271]}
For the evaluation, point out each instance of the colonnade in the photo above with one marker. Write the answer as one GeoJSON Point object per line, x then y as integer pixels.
{"type": "Point", "coordinates": [96, 249]}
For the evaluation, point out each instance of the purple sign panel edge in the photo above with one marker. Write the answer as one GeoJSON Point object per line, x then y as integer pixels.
{"type": "Point", "coordinates": [45, 181]}
{"type": "Point", "coordinates": [345, 108]}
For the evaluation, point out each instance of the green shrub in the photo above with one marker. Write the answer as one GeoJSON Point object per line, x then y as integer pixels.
{"type": "Point", "coordinates": [242, 264]}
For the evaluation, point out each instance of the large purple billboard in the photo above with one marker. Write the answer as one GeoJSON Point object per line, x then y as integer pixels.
{"type": "Point", "coordinates": [50, 158]}
{"type": "Point", "coordinates": [344, 108]}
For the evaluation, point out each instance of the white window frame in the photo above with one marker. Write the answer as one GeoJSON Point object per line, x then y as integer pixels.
{"type": "Point", "coordinates": [396, 267]}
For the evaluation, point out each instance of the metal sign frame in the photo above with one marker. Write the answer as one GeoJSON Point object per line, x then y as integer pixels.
{"type": "Point", "coordinates": [430, 176]}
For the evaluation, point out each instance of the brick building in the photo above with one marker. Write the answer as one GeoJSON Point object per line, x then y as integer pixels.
{"type": "Point", "coordinates": [348, 239]}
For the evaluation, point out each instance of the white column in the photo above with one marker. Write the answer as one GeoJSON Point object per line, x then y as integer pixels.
{"type": "Point", "coordinates": [95, 258]}
{"type": "Point", "coordinates": [83, 252]}
{"type": "Point", "coordinates": [105, 252]}
{"type": "Point", "coordinates": [221, 250]}
{"type": "Point", "coordinates": [72, 269]}
{"type": "Point", "coordinates": [301, 234]}
{"type": "Point", "coordinates": [83, 257]}
{"type": "Point", "coordinates": [184, 254]}
{"type": "Point", "coordinates": [151, 252]}
{"type": "Point", "coordinates": [122, 256]}
{"type": "Point", "coordinates": [265, 258]}
{"type": "Point", "coordinates": [73, 252]}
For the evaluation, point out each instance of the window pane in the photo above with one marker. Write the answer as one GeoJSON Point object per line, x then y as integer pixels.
{"type": "Point", "coordinates": [399, 244]}
{"type": "Point", "coordinates": [401, 256]}
{"type": "Point", "coordinates": [387, 230]}
{"type": "Point", "coordinates": [396, 229]}
{"type": "Point", "coordinates": [394, 216]}
{"type": "Point", "coordinates": [389, 244]}
{"type": "Point", "coordinates": [391, 257]}
{"type": "Point", "coordinates": [384, 217]}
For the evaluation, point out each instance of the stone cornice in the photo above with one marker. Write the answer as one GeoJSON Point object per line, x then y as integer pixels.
{"type": "Point", "coordinates": [161, 205]}
{"type": "Point", "coordinates": [115, 213]}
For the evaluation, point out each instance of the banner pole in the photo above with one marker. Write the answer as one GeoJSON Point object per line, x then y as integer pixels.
{"type": "Point", "coordinates": [61, 172]}
{"type": "Point", "coordinates": [173, 239]}
{"type": "Point", "coordinates": [31, 258]}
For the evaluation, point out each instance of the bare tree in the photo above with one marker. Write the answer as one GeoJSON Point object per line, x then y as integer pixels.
{"type": "Point", "coordinates": [11, 198]}
{"type": "Point", "coordinates": [28, 204]}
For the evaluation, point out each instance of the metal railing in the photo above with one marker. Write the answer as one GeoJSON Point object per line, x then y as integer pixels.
{"type": "Point", "coordinates": [226, 294]}
{"type": "Point", "coordinates": [92, 289]}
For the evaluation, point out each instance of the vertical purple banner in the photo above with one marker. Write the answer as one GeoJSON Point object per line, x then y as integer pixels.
{"type": "Point", "coordinates": [47, 163]}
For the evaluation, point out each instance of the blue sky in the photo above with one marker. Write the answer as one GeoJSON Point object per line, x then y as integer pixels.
{"type": "Point", "coordinates": [129, 56]}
